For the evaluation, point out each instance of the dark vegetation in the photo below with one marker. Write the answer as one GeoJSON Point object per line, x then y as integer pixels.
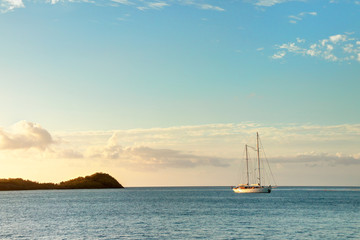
{"type": "Point", "coordinates": [95, 181]}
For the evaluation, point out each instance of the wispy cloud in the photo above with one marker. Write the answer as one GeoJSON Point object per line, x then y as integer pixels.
{"type": "Point", "coordinates": [156, 5]}
{"type": "Point", "coordinates": [203, 6]}
{"type": "Point", "coordinates": [210, 7]}
{"type": "Point", "coordinates": [335, 48]}
{"type": "Point", "coordinates": [320, 158]}
{"type": "Point", "coordinates": [173, 136]}
{"type": "Point", "coordinates": [357, 2]}
{"type": "Point", "coordinates": [268, 3]}
{"type": "Point", "coordinates": [10, 5]}
{"type": "Point", "coordinates": [296, 18]}
{"type": "Point", "coordinates": [70, 1]}
{"type": "Point", "coordinates": [124, 2]}
{"type": "Point", "coordinates": [160, 5]}
{"type": "Point", "coordinates": [124, 17]}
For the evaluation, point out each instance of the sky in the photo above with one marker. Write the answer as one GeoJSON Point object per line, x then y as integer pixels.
{"type": "Point", "coordinates": [166, 93]}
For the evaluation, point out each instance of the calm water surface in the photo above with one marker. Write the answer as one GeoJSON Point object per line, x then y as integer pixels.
{"type": "Point", "coordinates": [181, 213]}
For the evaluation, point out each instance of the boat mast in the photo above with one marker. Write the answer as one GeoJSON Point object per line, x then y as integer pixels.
{"type": "Point", "coordinates": [258, 155]}
{"type": "Point", "coordinates": [247, 165]}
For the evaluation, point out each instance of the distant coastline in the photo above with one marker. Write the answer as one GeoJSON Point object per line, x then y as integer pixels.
{"type": "Point", "coordinates": [95, 181]}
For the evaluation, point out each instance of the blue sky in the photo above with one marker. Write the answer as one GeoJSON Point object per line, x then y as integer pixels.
{"type": "Point", "coordinates": [94, 66]}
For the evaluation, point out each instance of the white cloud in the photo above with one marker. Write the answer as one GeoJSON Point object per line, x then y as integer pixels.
{"type": "Point", "coordinates": [25, 135]}
{"type": "Point", "coordinates": [279, 55]}
{"type": "Point", "coordinates": [308, 13]}
{"type": "Point", "coordinates": [158, 5]}
{"type": "Point", "coordinates": [324, 41]}
{"type": "Point", "coordinates": [299, 40]}
{"type": "Point", "coordinates": [311, 52]}
{"type": "Point", "coordinates": [203, 6]}
{"type": "Point", "coordinates": [335, 48]}
{"type": "Point", "coordinates": [53, 1]}
{"type": "Point", "coordinates": [153, 5]}
{"type": "Point", "coordinates": [337, 38]}
{"type": "Point", "coordinates": [125, 2]}
{"type": "Point", "coordinates": [142, 8]}
{"type": "Point", "coordinates": [291, 47]}
{"type": "Point", "coordinates": [10, 5]}
{"type": "Point", "coordinates": [269, 3]}
{"type": "Point", "coordinates": [295, 18]}
{"type": "Point", "coordinates": [211, 7]}
{"type": "Point", "coordinates": [349, 48]}
{"type": "Point", "coordinates": [330, 57]}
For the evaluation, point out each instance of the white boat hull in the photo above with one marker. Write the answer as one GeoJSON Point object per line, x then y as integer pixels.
{"type": "Point", "coordinates": [263, 189]}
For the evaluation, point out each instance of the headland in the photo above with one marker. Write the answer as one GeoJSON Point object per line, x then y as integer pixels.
{"type": "Point", "coordinates": [95, 181]}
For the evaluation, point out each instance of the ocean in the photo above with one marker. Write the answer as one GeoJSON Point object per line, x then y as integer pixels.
{"type": "Point", "coordinates": [181, 213]}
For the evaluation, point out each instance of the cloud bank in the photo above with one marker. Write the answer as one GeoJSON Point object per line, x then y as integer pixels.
{"type": "Point", "coordinates": [145, 157]}
{"type": "Point", "coordinates": [220, 145]}
{"type": "Point", "coordinates": [212, 145]}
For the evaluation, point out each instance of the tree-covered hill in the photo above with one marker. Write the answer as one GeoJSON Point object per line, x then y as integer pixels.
{"type": "Point", "coordinates": [95, 181]}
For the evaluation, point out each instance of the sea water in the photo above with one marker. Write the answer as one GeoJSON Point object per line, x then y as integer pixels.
{"type": "Point", "coordinates": [181, 213]}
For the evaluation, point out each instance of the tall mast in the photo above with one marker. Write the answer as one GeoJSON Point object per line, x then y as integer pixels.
{"type": "Point", "coordinates": [247, 165]}
{"type": "Point", "coordinates": [258, 155]}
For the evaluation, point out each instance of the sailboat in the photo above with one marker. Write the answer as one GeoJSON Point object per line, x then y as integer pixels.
{"type": "Point", "coordinates": [254, 187]}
